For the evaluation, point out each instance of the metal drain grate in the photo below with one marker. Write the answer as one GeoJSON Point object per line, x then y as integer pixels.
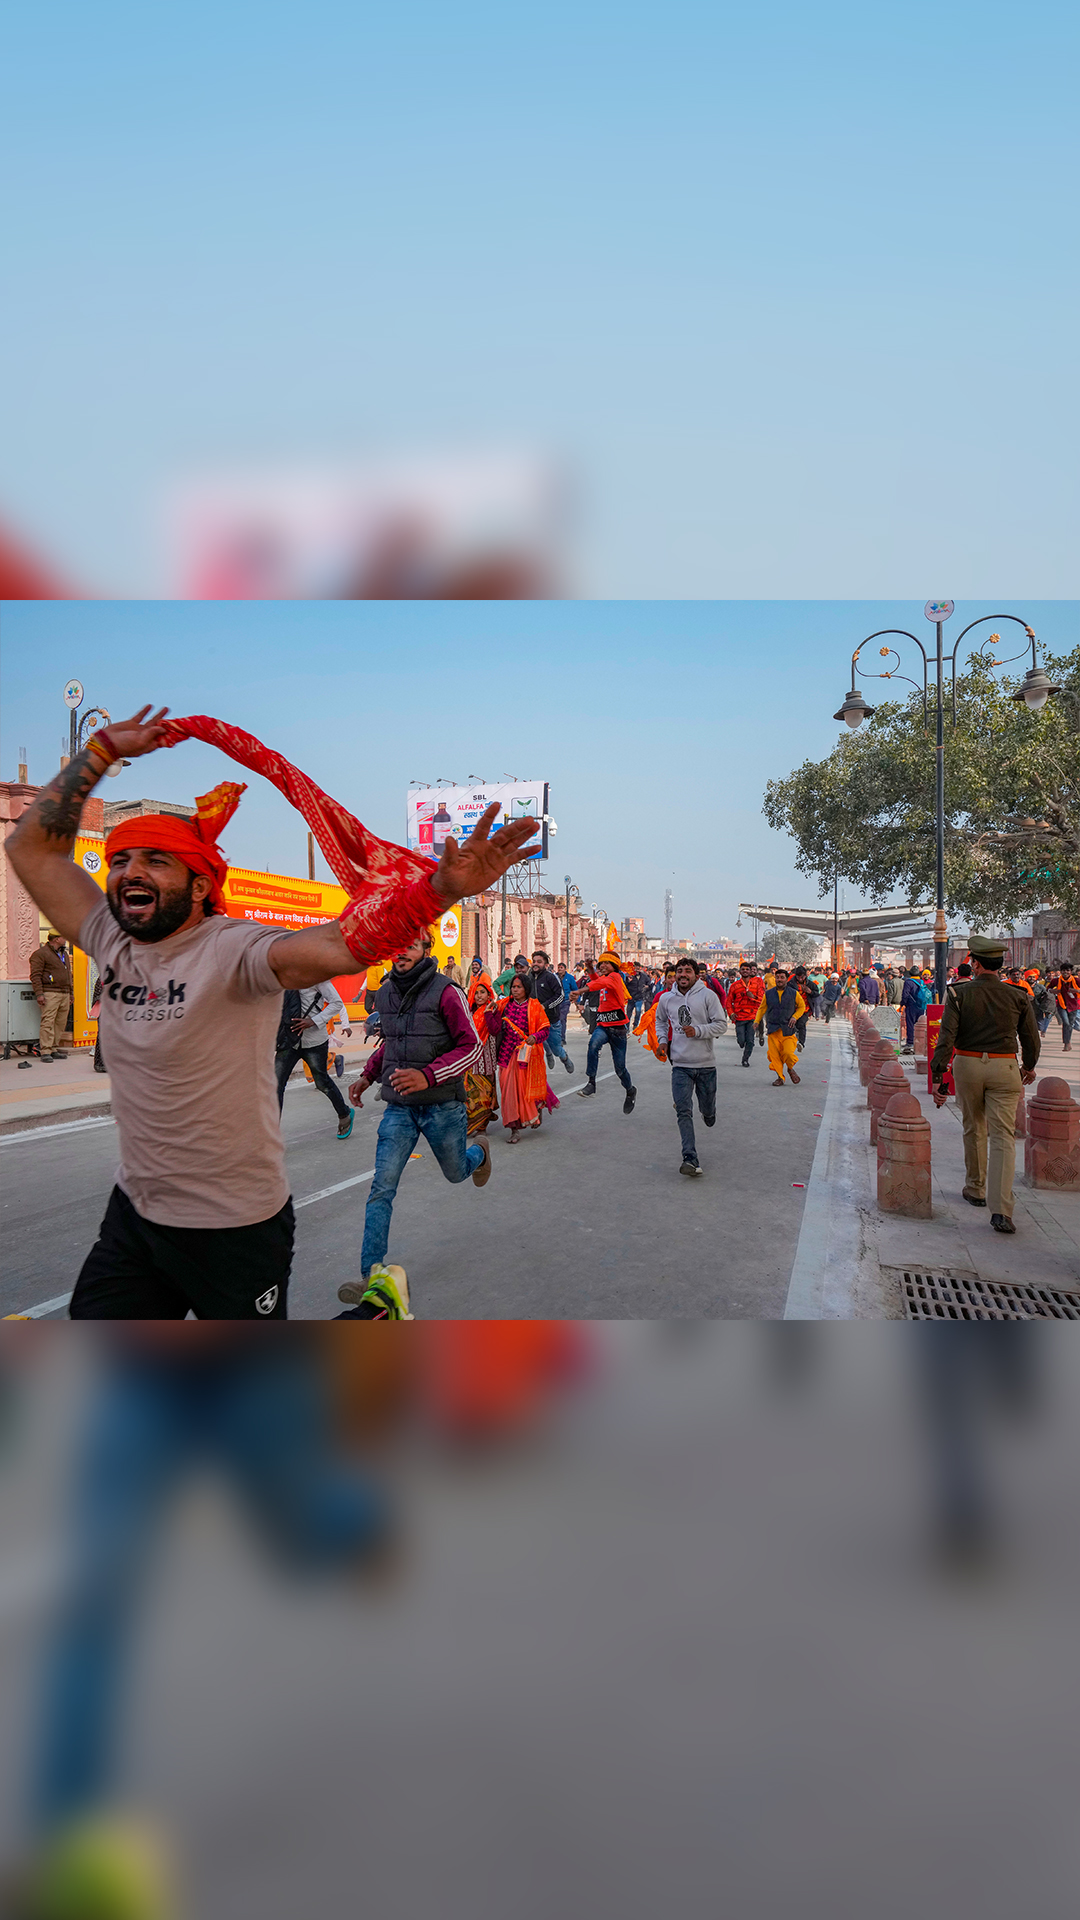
{"type": "Point", "coordinates": [963, 1296]}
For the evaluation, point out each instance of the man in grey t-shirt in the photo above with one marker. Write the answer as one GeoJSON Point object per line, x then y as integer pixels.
{"type": "Point", "coordinates": [200, 1218]}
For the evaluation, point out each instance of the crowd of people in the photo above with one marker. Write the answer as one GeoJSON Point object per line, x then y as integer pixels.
{"type": "Point", "coordinates": [203, 1018]}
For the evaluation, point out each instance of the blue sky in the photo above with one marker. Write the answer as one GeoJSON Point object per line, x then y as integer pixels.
{"type": "Point", "coordinates": [656, 725]}
{"type": "Point", "coordinates": [791, 289]}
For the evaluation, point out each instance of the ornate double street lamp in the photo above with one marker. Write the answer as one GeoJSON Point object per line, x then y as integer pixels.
{"type": "Point", "coordinates": [1035, 690]}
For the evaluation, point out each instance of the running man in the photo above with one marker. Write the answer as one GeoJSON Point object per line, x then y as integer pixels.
{"type": "Point", "coordinates": [744, 998]}
{"type": "Point", "coordinates": [429, 1044]}
{"type": "Point", "coordinates": [612, 1025]}
{"type": "Point", "coordinates": [780, 1010]}
{"type": "Point", "coordinates": [302, 1035]}
{"type": "Point", "coordinates": [548, 989]}
{"type": "Point", "coordinates": [200, 1219]}
{"type": "Point", "coordinates": [688, 1020]}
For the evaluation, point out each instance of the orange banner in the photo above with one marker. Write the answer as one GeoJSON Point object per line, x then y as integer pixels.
{"type": "Point", "coordinates": [274, 900]}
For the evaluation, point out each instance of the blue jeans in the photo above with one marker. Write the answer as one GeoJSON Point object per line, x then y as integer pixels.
{"type": "Point", "coordinates": [555, 1043]}
{"type": "Point", "coordinates": [745, 1035]}
{"type": "Point", "coordinates": [684, 1082]}
{"type": "Point", "coordinates": [260, 1416]}
{"type": "Point", "coordinates": [616, 1040]}
{"type": "Point", "coordinates": [444, 1128]}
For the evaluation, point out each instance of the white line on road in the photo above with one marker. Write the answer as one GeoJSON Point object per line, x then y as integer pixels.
{"type": "Point", "coordinates": [308, 1200]}
{"type": "Point", "coordinates": [39, 1312]}
{"type": "Point", "coordinates": [44, 1133]}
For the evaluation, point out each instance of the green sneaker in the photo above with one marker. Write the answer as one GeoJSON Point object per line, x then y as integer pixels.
{"type": "Point", "coordinates": [386, 1288]}
{"type": "Point", "coordinates": [99, 1870]}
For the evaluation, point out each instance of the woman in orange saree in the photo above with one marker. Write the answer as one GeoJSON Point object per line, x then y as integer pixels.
{"type": "Point", "coordinates": [522, 1024]}
{"type": "Point", "coordinates": [481, 1083]}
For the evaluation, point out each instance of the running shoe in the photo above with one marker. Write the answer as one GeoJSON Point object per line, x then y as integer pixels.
{"type": "Point", "coordinates": [344, 1126]}
{"type": "Point", "coordinates": [483, 1172]}
{"type": "Point", "coordinates": [106, 1868]}
{"type": "Point", "coordinates": [568, 1064]}
{"type": "Point", "coordinates": [691, 1168]}
{"type": "Point", "coordinates": [628, 1103]}
{"type": "Point", "coordinates": [386, 1289]}
{"type": "Point", "coordinates": [589, 1087]}
{"type": "Point", "coordinates": [709, 1119]}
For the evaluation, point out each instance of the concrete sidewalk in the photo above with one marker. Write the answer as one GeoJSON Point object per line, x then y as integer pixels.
{"type": "Point", "coordinates": [851, 1258]}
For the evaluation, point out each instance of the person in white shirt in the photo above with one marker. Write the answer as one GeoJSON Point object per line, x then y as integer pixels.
{"type": "Point", "coordinates": [305, 1015]}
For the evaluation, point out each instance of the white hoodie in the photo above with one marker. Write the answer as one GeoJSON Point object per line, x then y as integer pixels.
{"type": "Point", "coordinates": [699, 1009]}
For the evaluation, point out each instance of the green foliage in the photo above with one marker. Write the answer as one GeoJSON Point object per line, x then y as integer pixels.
{"type": "Point", "coordinates": [789, 945]}
{"type": "Point", "coordinates": [1012, 801]}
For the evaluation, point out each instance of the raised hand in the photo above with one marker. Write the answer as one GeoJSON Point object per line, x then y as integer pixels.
{"type": "Point", "coordinates": [472, 865]}
{"type": "Point", "coordinates": [132, 738]}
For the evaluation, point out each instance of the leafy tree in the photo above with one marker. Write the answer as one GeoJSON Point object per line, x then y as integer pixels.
{"type": "Point", "coordinates": [1012, 801]}
{"type": "Point", "coordinates": [789, 945]}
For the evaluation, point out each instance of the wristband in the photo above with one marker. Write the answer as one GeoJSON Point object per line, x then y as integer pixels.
{"type": "Point", "coordinates": [100, 745]}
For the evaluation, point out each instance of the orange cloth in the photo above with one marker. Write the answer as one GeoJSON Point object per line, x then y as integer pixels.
{"type": "Point", "coordinates": [645, 1031]}
{"type": "Point", "coordinates": [192, 841]}
{"type": "Point", "coordinates": [481, 979]}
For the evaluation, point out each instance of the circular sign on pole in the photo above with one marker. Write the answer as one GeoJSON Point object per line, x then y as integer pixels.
{"type": "Point", "coordinates": [449, 928]}
{"type": "Point", "coordinates": [73, 694]}
{"type": "Point", "coordinates": [939, 609]}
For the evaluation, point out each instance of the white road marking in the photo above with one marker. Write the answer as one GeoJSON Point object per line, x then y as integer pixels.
{"type": "Point", "coordinates": [46, 1306]}
{"type": "Point", "coordinates": [308, 1199]}
{"type": "Point", "coordinates": [45, 1133]}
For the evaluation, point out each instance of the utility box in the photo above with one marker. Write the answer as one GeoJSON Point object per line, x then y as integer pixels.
{"type": "Point", "coordinates": [20, 1015]}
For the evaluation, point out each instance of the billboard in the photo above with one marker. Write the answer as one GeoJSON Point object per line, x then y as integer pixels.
{"type": "Point", "coordinates": [436, 814]}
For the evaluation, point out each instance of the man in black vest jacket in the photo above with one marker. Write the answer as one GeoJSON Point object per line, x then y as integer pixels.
{"type": "Point", "coordinates": [428, 1045]}
{"type": "Point", "coordinates": [549, 991]}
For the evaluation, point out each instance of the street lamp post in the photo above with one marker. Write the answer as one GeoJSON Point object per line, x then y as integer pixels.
{"type": "Point", "coordinates": [1035, 692]}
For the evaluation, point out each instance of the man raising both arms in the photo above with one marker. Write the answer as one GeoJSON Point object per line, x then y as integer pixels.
{"type": "Point", "coordinates": [612, 1025]}
{"type": "Point", "coordinates": [200, 1218]}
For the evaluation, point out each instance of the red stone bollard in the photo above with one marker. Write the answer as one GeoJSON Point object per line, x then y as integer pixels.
{"type": "Point", "coordinates": [903, 1158]}
{"type": "Point", "coordinates": [889, 1079]}
{"type": "Point", "coordinates": [872, 1058]}
{"type": "Point", "coordinates": [1052, 1144]}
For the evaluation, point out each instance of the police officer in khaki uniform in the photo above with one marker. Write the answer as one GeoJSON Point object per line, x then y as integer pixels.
{"type": "Point", "coordinates": [983, 1019]}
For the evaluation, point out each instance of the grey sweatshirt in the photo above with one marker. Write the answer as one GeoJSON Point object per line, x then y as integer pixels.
{"type": "Point", "coordinates": [703, 1012]}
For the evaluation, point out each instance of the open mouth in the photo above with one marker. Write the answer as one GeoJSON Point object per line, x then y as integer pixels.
{"type": "Point", "coordinates": [136, 898]}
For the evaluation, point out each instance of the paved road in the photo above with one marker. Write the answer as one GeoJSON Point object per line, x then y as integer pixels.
{"type": "Point", "coordinates": [679, 1656]}
{"type": "Point", "coordinates": [589, 1217]}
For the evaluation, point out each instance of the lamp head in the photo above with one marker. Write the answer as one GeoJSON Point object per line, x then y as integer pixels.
{"type": "Point", "coordinates": [855, 710]}
{"type": "Point", "coordinates": [1036, 689]}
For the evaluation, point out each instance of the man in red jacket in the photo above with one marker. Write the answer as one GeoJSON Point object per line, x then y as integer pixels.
{"type": "Point", "coordinates": [612, 1025]}
{"type": "Point", "coordinates": [745, 996]}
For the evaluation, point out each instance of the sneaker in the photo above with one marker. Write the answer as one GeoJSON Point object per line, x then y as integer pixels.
{"type": "Point", "coordinates": [628, 1103]}
{"type": "Point", "coordinates": [691, 1168]}
{"type": "Point", "coordinates": [569, 1065]}
{"type": "Point", "coordinates": [106, 1867]}
{"type": "Point", "coordinates": [589, 1087]}
{"type": "Point", "coordinates": [344, 1126]}
{"type": "Point", "coordinates": [386, 1289]}
{"type": "Point", "coordinates": [483, 1173]}
{"type": "Point", "coordinates": [709, 1119]}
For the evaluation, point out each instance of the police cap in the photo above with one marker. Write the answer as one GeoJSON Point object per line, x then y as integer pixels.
{"type": "Point", "coordinates": [982, 947]}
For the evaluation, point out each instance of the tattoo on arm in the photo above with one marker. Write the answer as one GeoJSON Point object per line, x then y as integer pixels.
{"type": "Point", "coordinates": [58, 810]}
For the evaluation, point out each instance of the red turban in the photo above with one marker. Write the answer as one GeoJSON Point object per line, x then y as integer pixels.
{"type": "Point", "coordinates": [194, 841]}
